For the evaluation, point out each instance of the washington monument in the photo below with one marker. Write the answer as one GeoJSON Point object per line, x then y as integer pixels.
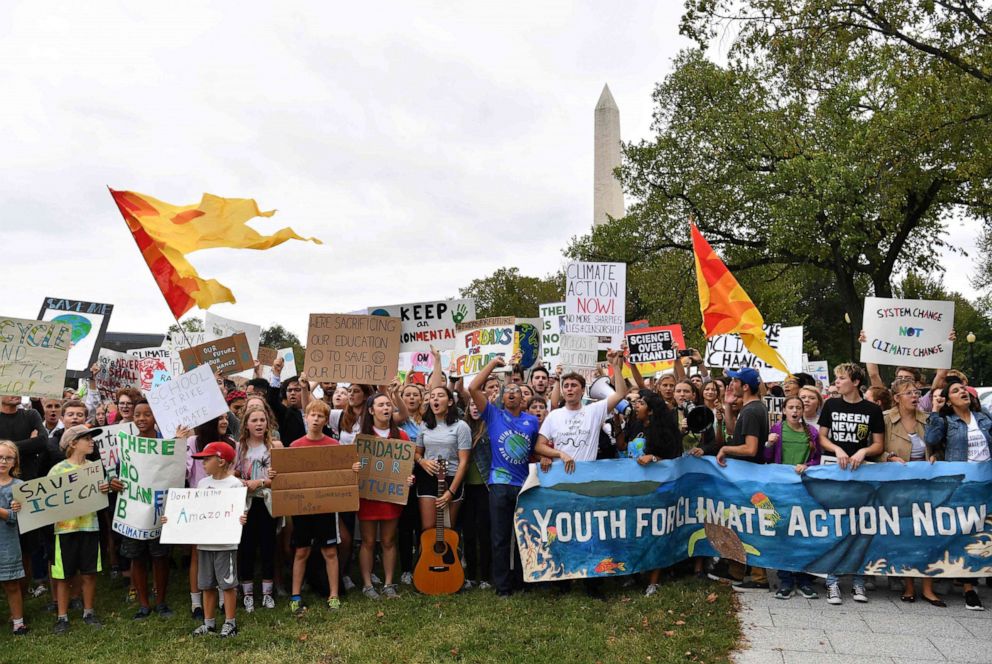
{"type": "Point", "coordinates": [607, 194]}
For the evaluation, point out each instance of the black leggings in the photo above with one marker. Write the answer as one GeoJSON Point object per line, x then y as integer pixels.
{"type": "Point", "coordinates": [474, 521]}
{"type": "Point", "coordinates": [409, 531]}
{"type": "Point", "coordinates": [258, 534]}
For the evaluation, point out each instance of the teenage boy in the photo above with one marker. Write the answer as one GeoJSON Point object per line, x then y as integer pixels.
{"type": "Point", "coordinates": [311, 530]}
{"type": "Point", "coordinates": [852, 429]}
{"type": "Point", "coordinates": [217, 564]}
{"type": "Point", "coordinates": [77, 540]}
{"type": "Point", "coordinates": [512, 432]}
{"type": "Point", "coordinates": [540, 381]}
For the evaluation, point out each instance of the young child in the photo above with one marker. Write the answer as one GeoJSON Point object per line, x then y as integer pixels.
{"type": "Point", "coordinates": [77, 540]}
{"type": "Point", "coordinates": [218, 563]}
{"type": "Point", "coordinates": [314, 529]}
{"type": "Point", "coordinates": [11, 568]}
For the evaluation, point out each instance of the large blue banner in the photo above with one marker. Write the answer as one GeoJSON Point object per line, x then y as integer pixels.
{"type": "Point", "coordinates": [615, 517]}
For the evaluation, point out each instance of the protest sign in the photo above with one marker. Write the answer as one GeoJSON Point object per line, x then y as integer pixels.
{"type": "Point", "coordinates": [314, 480]}
{"type": "Point", "coordinates": [478, 342]}
{"type": "Point", "coordinates": [61, 497]}
{"type": "Point", "coordinates": [88, 321]}
{"type": "Point", "coordinates": [819, 371]}
{"type": "Point", "coordinates": [218, 328]}
{"type": "Point", "coordinates": [652, 349]}
{"type": "Point", "coordinates": [595, 300]}
{"type": "Point", "coordinates": [188, 400]}
{"type": "Point", "coordinates": [119, 370]}
{"type": "Point", "coordinates": [727, 351]}
{"type": "Point", "coordinates": [527, 340]}
{"type": "Point", "coordinates": [422, 362]}
{"type": "Point", "coordinates": [267, 356]}
{"type": "Point", "coordinates": [428, 323]}
{"type": "Point", "coordinates": [164, 366]}
{"type": "Point", "coordinates": [775, 407]}
{"type": "Point", "coordinates": [149, 468]}
{"type": "Point", "coordinates": [344, 348]}
{"type": "Point", "coordinates": [32, 357]}
{"type": "Point", "coordinates": [204, 516]}
{"type": "Point", "coordinates": [552, 317]}
{"type": "Point", "coordinates": [386, 465]}
{"type": "Point", "coordinates": [910, 333]}
{"type": "Point", "coordinates": [614, 517]}
{"type": "Point", "coordinates": [289, 365]}
{"type": "Point", "coordinates": [225, 356]}
{"type": "Point", "coordinates": [107, 443]}
{"type": "Point", "coordinates": [579, 354]}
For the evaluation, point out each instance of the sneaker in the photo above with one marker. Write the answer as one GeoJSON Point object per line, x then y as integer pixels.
{"type": "Point", "coordinates": [333, 603]}
{"type": "Point", "coordinates": [21, 630]}
{"type": "Point", "coordinates": [858, 594]}
{"type": "Point", "coordinates": [348, 583]}
{"type": "Point", "coordinates": [61, 626]}
{"type": "Point", "coordinates": [132, 595]}
{"type": "Point", "coordinates": [833, 594]}
{"type": "Point", "coordinates": [197, 613]}
{"type": "Point", "coordinates": [93, 621]}
{"type": "Point", "coordinates": [721, 572]}
{"type": "Point", "coordinates": [389, 591]}
{"type": "Point", "coordinates": [406, 579]}
{"type": "Point", "coordinates": [651, 589]}
{"type": "Point", "coordinates": [748, 586]}
{"type": "Point", "coordinates": [38, 590]}
{"type": "Point", "coordinates": [203, 630]}
{"type": "Point", "coordinates": [375, 580]}
{"type": "Point", "coordinates": [484, 585]}
{"type": "Point", "coordinates": [370, 592]}
{"type": "Point", "coordinates": [51, 607]}
{"type": "Point", "coordinates": [296, 607]}
{"type": "Point", "coordinates": [142, 613]}
{"type": "Point", "coordinates": [971, 601]}
{"type": "Point", "coordinates": [164, 611]}
{"type": "Point", "coordinates": [268, 602]}
{"type": "Point", "coordinates": [808, 592]}
{"type": "Point", "coordinates": [468, 585]}
{"type": "Point", "coordinates": [75, 604]}
{"type": "Point", "coordinates": [784, 593]}
{"type": "Point", "coordinates": [228, 630]}
{"type": "Point", "coordinates": [249, 603]}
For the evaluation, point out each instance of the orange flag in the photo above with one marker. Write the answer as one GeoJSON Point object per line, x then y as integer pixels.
{"type": "Point", "coordinates": [166, 233]}
{"type": "Point", "coordinates": [726, 308]}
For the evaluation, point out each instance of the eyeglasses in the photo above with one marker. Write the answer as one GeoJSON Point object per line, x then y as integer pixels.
{"type": "Point", "coordinates": [6, 459]}
{"type": "Point", "coordinates": [121, 404]}
{"type": "Point", "coordinates": [910, 393]}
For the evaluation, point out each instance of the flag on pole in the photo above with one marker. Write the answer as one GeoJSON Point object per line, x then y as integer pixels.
{"type": "Point", "coordinates": [166, 233]}
{"type": "Point", "coordinates": [726, 308]}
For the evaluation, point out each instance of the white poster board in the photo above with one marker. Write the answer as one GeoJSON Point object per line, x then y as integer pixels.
{"type": "Point", "coordinates": [188, 400]}
{"type": "Point", "coordinates": [61, 497]}
{"type": "Point", "coordinates": [149, 468]}
{"type": "Point", "coordinates": [170, 363]}
{"type": "Point", "coordinates": [107, 444]}
{"type": "Point", "coordinates": [909, 333]}
{"type": "Point", "coordinates": [819, 370]}
{"type": "Point", "coordinates": [204, 516]}
{"type": "Point", "coordinates": [553, 318]}
{"type": "Point", "coordinates": [428, 323]}
{"type": "Point", "coordinates": [727, 351]}
{"type": "Point", "coordinates": [478, 342]}
{"type": "Point", "coordinates": [578, 354]}
{"type": "Point", "coordinates": [596, 300]}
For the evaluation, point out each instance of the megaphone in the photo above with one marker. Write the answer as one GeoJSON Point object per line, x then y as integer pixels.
{"type": "Point", "coordinates": [698, 418]}
{"type": "Point", "coordinates": [602, 389]}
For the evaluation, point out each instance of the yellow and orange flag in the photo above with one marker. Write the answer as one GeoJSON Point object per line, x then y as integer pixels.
{"type": "Point", "coordinates": [726, 308]}
{"type": "Point", "coordinates": [165, 233]}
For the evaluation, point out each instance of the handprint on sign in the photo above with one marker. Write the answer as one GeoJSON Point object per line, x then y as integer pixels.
{"type": "Point", "coordinates": [458, 315]}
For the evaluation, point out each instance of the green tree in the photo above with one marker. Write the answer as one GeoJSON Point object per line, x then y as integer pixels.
{"type": "Point", "coordinates": [190, 325]}
{"type": "Point", "coordinates": [277, 337]}
{"type": "Point", "coordinates": [506, 292]}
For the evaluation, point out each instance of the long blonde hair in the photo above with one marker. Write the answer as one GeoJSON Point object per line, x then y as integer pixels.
{"type": "Point", "coordinates": [243, 435]}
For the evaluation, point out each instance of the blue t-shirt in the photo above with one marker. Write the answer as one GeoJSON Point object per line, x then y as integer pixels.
{"type": "Point", "coordinates": [635, 448]}
{"type": "Point", "coordinates": [512, 441]}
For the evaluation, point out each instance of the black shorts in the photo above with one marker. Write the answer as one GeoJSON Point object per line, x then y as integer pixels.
{"type": "Point", "coordinates": [30, 543]}
{"type": "Point", "coordinates": [315, 530]}
{"type": "Point", "coordinates": [76, 553]}
{"type": "Point", "coordinates": [132, 549]}
{"type": "Point", "coordinates": [427, 486]}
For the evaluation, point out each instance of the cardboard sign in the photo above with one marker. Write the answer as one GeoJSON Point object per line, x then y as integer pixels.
{"type": "Point", "coordinates": [267, 356]}
{"type": "Point", "coordinates": [88, 321]}
{"type": "Point", "coordinates": [161, 361]}
{"type": "Point", "coordinates": [187, 400]}
{"type": "Point", "coordinates": [32, 357]}
{"type": "Point", "coordinates": [225, 356]}
{"type": "Point", "coordinates": [386, 465]}
{"type": "Point", "coordinates": [108, 444]}
{"type": "Point", "coordinates": [480, 341]}
{"type": "Point", "coordinates": [527, 340]}
{"type": "Point", "coordinates": [652, 349]}
{"type": "Point", "coordinates": [289, 365]}
{"type": "Point", "coordinates": [553, 319]}
{"type": "Point", "coordinates": [344, 348]}
{"type": "Point", "coordinates": [595, 300]}
{"type": "Point", "coordinates": [61, 497]}
{"type": "Point", "coordinates": [727, 351]}
{"type": "Point", "coordinates": [314, 480]}
{"type": "Point", "coordinates": [204, 516]}
{"type": "Point", "coordinates": [578, 354]}
{"type": "Point", "coordinates": [910, 333]}
{"type": "Point", "coordinates": [149, 468]}
{"type": "Point", "coordinates": [427, 323]}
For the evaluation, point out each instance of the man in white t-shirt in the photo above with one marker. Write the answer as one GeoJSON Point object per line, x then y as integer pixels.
{"type": "Point", "coordinates": [574, 429]}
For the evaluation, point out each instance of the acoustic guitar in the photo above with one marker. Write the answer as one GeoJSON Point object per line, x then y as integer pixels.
{"type": "Point", "coordinates": [439, 569]}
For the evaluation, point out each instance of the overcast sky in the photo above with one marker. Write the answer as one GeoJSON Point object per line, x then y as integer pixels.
{"type": "Point", "coordinates": [427, 144]}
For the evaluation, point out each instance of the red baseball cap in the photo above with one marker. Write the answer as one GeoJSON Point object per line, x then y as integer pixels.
{"type": "Point", "coordinates": [218, 449]}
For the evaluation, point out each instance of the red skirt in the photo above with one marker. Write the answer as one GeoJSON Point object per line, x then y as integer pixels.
{"type": "Point", "coordinates": [377, 510]}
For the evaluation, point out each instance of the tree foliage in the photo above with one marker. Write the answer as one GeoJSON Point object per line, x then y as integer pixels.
{"type": "Point", "coordinates": [506, 292]}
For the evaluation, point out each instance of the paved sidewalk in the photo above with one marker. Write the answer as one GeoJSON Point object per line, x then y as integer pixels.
{"type": "Point", "coordinates": [883, 631]}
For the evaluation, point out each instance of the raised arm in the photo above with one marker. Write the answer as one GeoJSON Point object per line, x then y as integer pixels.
{"type": "Point", "coordinates": [475, 389]}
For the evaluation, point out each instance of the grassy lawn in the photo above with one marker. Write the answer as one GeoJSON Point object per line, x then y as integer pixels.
{"type": "Point", "coordinates": [687, 621]}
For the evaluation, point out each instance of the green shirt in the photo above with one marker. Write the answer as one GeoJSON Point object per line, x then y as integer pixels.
{"type": "Point", "coordinates": [85, 523]}
{"type": "Point", "coordinates": [795, 445]}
